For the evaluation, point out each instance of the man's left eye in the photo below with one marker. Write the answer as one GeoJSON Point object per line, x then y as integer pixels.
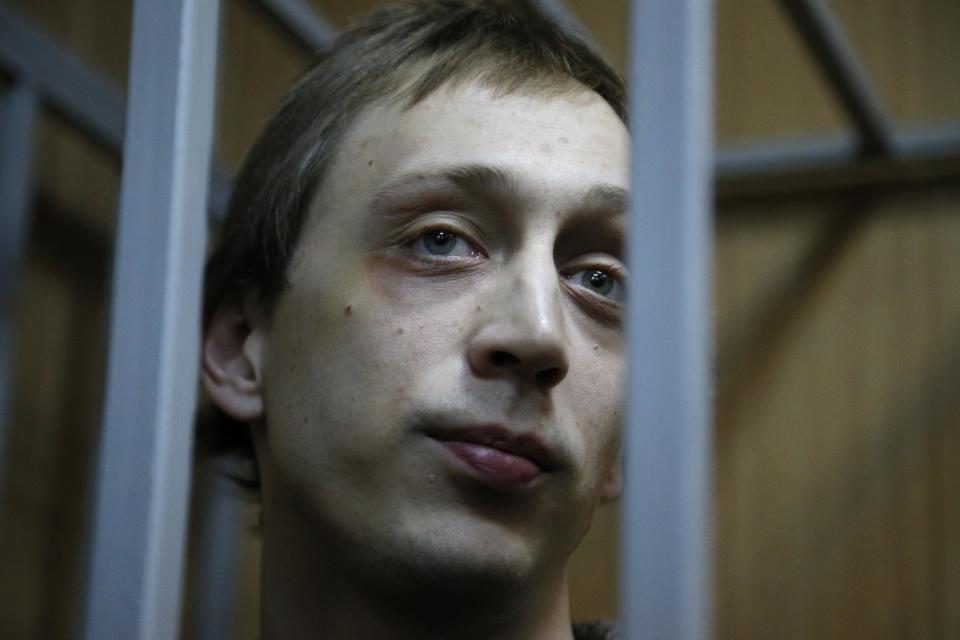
{"type": "Point", "coordinates": [441, 242]}
{"type": "Point", "coordinates": [599, 281]}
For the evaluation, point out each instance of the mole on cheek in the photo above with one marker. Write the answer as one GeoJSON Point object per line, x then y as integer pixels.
{"type": "Point", "coordinates": [348, 310]}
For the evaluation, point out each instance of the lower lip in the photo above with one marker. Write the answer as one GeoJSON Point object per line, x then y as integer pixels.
{"type": "Point", "coordinates": [494, 465]}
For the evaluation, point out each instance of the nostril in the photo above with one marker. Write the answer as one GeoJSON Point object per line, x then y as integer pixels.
{"type": "Point", "coordinates": [504, 358]}
{"type": "Point", "coordinates": [550, 377]}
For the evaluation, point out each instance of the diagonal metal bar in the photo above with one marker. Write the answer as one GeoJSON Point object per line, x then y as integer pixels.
{"type": "Point", "coordinates": [838, 61]}
{"type": "Point", "coordinates": [302, 21]}
{"type": "Point", "coordinates": [143, 473]}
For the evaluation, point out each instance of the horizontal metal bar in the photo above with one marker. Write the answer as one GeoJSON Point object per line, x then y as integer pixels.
{"type": "Point", "coordinates": [302, 21]}
{"type": "Point", "coordinates": [839, 63]}
{"type": "Point", "coordinates": [144, 463]}
{"type": "Point", "coordinates": [832, 166]}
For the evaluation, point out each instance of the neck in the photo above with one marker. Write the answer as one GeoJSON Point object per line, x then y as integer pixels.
{"type": "Point", "coordinates": [312, 586]}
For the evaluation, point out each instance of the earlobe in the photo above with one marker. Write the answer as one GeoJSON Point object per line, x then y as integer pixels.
{"type": "Point", "coordinates": [613, 484]}
{"type": "Point", "coordinates": [232, 362]}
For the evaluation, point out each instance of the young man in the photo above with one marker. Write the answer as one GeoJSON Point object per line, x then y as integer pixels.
{"type": "Point", "coordinates": [413, 326]}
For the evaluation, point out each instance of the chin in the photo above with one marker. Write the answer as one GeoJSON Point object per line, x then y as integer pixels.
{"type": "Point", "coordinates": [466, 556]}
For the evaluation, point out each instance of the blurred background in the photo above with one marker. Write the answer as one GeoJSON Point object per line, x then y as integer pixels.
{"type": "Point", "coordinates": [837, 323]}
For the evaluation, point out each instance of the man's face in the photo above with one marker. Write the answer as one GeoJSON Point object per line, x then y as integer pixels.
{"type": "Point", "coordinates": [442, 380]}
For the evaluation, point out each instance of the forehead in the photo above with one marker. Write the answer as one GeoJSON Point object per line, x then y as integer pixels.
{"type": "Point", "coordinates": [555, 146]}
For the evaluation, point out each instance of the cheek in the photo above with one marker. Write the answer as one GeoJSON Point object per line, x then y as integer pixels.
{"type": "Point", "coordinates": [597, 398]}
{"type": "Point", "coordinates": [353, 347]}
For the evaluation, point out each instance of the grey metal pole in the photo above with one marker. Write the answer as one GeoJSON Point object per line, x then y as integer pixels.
{"type": "Point", "coordinates": [18, 109]}
{"type": "Point", "coordinates": [303, 21]}
{"type": "Point", "coordinates": [220, 520]}
{"type": "Point", "coordinates": [144, 464]}
{"type": "Point", "coordinates": [665, 551]}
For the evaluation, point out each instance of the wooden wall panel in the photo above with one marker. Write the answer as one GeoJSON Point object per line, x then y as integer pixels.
{"type": "Point", "coordinates": [60, 351]}
{"type": "Point", "coordinates": [257, 64]}
{"type": "Point", "coordinates": [831, 501]}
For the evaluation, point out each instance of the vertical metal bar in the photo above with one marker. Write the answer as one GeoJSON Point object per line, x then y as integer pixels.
{"type": "Point", "coordinates": [18, 109]}
{"type": "Point", "coordinates": [219, 521]}
{"type": "Point", "coordinates": [665, 579]}
{"type": "Point", "coordinates": [144, 466]}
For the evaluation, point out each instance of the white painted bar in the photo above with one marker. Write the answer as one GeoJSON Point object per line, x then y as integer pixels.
{"type": "Point", "coordinates": [665, 534]}
{"type": "Point", "coordinates": [144, 464]}
{"type": "Point", "coordinates": [18, 111]}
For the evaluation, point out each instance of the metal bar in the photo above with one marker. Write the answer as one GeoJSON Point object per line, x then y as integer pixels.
{"type": "Point", "coordinates": [219, 512]}
{"type": "Point", "coordinates": [838, 61]}
{"type": "Point", "coordinates": [832, 167]}
{"type": "Point", "coordinates": [18, 111]}
{"type": "Point", "coordinates": [75, 90]}
{"type": "Point", "coordinates": [665, 523]}
{"type": "Point", "coordinates": [882, 175]}
{"type": "Point", "coordinates": [144, 460]}
{"type": "Point", "coordinates": [302, 21]}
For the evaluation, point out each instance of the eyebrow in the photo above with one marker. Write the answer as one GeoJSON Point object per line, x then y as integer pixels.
{"type": "Point", "coordinates": [483, 181]}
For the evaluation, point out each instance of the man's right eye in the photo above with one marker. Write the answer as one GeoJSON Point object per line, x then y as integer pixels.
{"type": "Point", "coordinates": [444, 243]}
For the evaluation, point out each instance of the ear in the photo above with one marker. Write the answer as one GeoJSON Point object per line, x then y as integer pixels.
{"type": "Point", "coordinates": [233, 361]}
{"type": "Point", "coordinates": [613, 484]}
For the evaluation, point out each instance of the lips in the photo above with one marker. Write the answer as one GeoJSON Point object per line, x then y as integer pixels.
{"type": "Point", "coordinates": [495, 454]}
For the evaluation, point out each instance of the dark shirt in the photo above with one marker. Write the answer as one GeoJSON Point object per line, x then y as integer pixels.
{"type": "Point", "coordinates": [600, 630]}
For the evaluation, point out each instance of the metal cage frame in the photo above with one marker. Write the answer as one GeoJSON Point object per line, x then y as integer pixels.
{"type": "Point", "coordinates": [163, 128]}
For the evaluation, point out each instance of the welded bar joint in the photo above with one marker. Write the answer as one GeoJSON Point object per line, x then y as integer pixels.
{"type": "Point", "coordinates": [74, 89]}
{"type": "Point", "coordinates": [665, 523]}
{"type": "Point", "coordinates": [144, 463]}
{"type": "Point", "coordinates": [825, 39]}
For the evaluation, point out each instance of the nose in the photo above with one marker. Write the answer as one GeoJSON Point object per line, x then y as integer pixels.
{"type": "Point", "coordinates": [520, 331]}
